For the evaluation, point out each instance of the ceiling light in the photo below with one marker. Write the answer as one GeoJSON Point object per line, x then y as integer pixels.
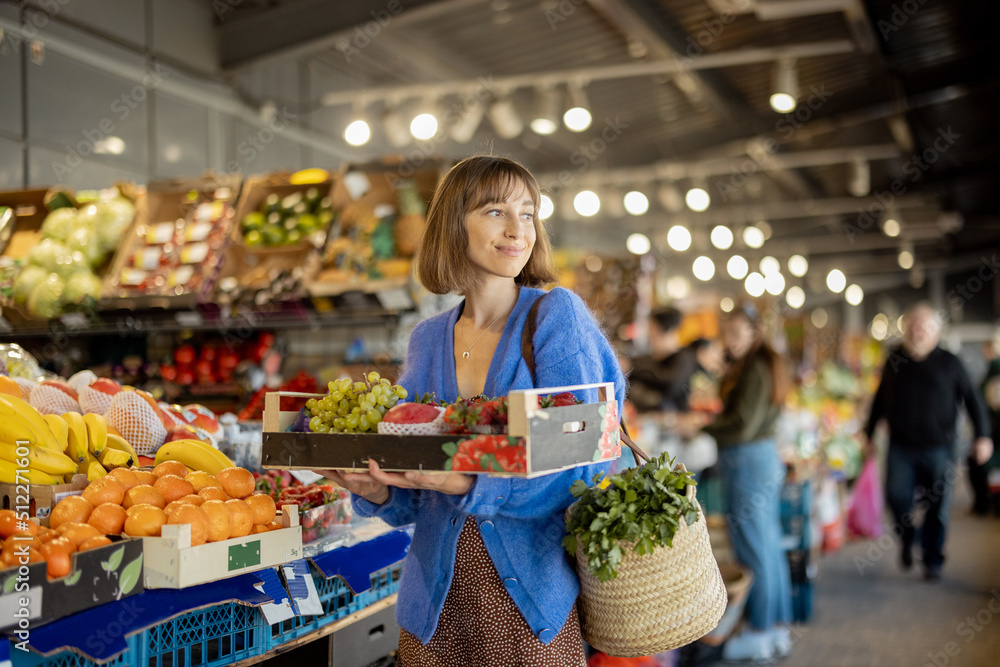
{"type": "Point", "coordinates": [891, 227]}
{"type": "Point", "coordinates": [836, 281]}
{"type": "Point", "coordinates": [678, 287]}
{"type": "Point", "coordinates": [819, 318]}
{"type": "Point", "coordinates": [504, 117]}
{"type": "Point", "coordinates": [546, 117]}
{"type": "Point", "coordinates": [737, 267]}
{"type": "Point", "coordinates": [679, 238]}
{"type": "Point", "coordinates": [357, 133]}
{"type": "Point", "coordinates": [785, 89]}
{"type": "Point", "coordinates": [545, 208]}
{"type": "Point", "coordinates": [697, 199]}
{"type": "Point", "coordinates": [798, 265]}
{"type": "Point", "coordinates": [703, 268]}
{"type": "Point", "coordinates": [754, 284]}
{"type": "Point", "coordinates": [795, 297]}
{"type": "Point", "coordinates": [859, 183]}
{"type": "Point", "coordinates": [636, 203]}
{"type": "Point", "coordinates": [774, 283]}
{"type": "Point", "coordinates": [753, 237]}
{"type": "Point", "coordinates": [587, 203]}
{"type": "Point", "coordinates": [905, 259]}
{"type": "Point", "coordinates": [638, 244]}
{"type": "Point", "coordinates": [670, 198]}
{"type": "Point", "coordinates": [854, 295]}
{"type": "Point", "coordinates": [577, 118]}
{"type": "Point", "coordinates": [765, 228]}
{"type": "Point", "coordinates": [465, 126]}
{"type": "Point", "coordinates": [110, 145]}
{"type": "Point", "coordinates": [722, 237]}
{"type": "Point", "coordinates": [727, 304]}
{"type": "Point", "coordinates": [769, 265]}
{"type": "Point", "coordinates": [880, 327]}
{"type": "Point", "coordinates": [424, 125]}
{"type": "Point", "coordinates": [395, 127]}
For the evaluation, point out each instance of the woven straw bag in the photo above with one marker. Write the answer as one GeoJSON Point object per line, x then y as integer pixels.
{"type": "Point", "coordinates": [658, 601]}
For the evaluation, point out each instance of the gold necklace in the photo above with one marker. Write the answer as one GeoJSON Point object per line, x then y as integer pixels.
{"type": "Point", "coordinates": [465, 355]}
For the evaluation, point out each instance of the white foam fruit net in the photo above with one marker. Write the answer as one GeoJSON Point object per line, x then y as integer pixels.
{"type": "Point", "coordinates": [138, 423]}
{"type": "Point", "coordinates": [26, 386]}
{"type": "Point", "coordinates": [49, 400]}
{"type": "Point", "coordinates": [82, 379]}
{"type": "Point", "coordinates": [435, 427]}
{"type": "Point", "coordinates": [95, 401]}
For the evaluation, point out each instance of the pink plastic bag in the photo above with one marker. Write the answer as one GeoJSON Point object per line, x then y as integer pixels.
{"type": "Point", "coordinates": [864, 516]}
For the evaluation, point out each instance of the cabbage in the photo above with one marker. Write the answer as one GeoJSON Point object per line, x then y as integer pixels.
{"type": "Point", "coordinates": [81, 285]}
{"type": "Point", "coordinates": [109, 219]}
{"type": "Point", "coordinates": [85, 241]}
{"type": "Point", "coordinates": [45, 300]}
{"type": "Point", "coordinates": [59, 224]}
{"type": "Point", "coordinates": [71, 263]}
{"type": "Point", "coordinates": [47, 254]}
{"type": "Point", "coordinates": [26, 281]}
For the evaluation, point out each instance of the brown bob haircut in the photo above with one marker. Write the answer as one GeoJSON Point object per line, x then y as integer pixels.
{"type": "Point", "coordinates": [443, 264]}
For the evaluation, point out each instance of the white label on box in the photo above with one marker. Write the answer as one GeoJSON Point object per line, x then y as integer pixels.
{"type": "Point", "coordinates": [307, 477]}
{"type": "Point", "coordinates": [147, 259]}
{"type": "Point", "coordinates": [182, 276]}
{"type": "Point", "coordinates": [160, 233]}
{"type": "Point", "coordinates": [198, 231]}
{"type": "Point", "coordinates": [302, 588]}
{"type": "Point", "coordinates": [132, 277]}
{"type": "Point", "coordinates": [11, 607]}
{"type": "Point", "coordinates": [194, 253]}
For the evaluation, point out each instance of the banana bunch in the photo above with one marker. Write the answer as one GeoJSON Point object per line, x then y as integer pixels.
{"type": "Point", "coordinates": [195, 454]}
{"type": "Point", "coordinates": [86, 441]}
{"type": "Point", "coordinates": [47, 462]}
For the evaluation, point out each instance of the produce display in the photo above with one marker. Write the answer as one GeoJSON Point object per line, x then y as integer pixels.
{"type": "Point", "coordinates": [321, 506]}
{"type": "Point", "coordinates": [301, 382]}
{"type": "Point", "coordinates": [60, 271]}
{"type": "Point", "coordinates": [288, 220]}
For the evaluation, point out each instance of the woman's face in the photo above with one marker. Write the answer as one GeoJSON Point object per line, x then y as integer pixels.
{"type": "Point", "coordinates": [502, 234]}
{"type": "Point", "coordinates": [738, 337]}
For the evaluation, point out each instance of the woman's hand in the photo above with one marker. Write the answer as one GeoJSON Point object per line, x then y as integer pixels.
{"type": "Point", "coordinates": [374, 485]}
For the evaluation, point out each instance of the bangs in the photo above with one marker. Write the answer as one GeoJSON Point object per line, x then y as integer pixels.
{"type": "Point", "coordinates": [497, 182]}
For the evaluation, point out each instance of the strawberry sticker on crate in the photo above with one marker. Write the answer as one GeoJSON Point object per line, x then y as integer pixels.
{"type": "Point", "coordinates": [525, 434]}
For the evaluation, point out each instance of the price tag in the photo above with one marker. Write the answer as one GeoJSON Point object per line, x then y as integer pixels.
{"type": "Point", "coordinates": [74, 320]}
{"type": "Point", "coordinates": [357, 184]}
{"type": "Point", "coordinates": [189, 318]}
{"type": "Point", "coordinates": [395, 299]}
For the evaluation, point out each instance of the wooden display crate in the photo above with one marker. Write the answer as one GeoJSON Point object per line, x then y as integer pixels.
{"type": "Point", "coordinates": [539, 440]}
{"type": "Point", "coordinates": [29, 214]}
{"type": "Point", "coordinates": [41, 497]}
{"type": "Point", "coordinates": [171, 561]}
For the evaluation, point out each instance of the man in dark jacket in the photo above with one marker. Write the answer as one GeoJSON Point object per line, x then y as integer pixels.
{"type": "Point", "coordinates": [918, 396]}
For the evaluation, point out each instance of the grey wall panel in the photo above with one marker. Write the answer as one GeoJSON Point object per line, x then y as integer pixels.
{"type": "Point", "coordinates": [42, 171]}
{"type": "Point", "coordinates": [181, 138]}
{"type": "Point", "coordinates": [183, 31]}
{"type": "Point", "coordinates": [122, 19]}
{"type": "Point", "coordinates": [259, 150]}
{"type": "Point", "coordinates": [76, 108]}
{"type": "Point", "coordinates": [10, 87]}
{"type": "Point", "coordinates": [11, 165]}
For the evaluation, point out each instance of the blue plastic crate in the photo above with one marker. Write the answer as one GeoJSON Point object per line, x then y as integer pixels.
{"type": "Point", "coordinates": [218, 635]}
{"type": "Point", "coordinates": [69, 659]}
{"type": "Point", "coordinates": [338, 601]}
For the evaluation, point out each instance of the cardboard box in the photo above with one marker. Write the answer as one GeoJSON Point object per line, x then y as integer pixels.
{"type": "Point", "coordinates": [171, 561]}
{"type": "Point", "coordinates": [41, 497]}
{"type": "Point", "coordinates": [539, 440]}
{"type": "Point", "coordinates": [100, 575]}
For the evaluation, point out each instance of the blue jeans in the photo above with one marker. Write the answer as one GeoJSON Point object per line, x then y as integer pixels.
{"type": "Point", "coordinates": [753, 477]}
{"type": "Point", "coordinates": [934, 470]}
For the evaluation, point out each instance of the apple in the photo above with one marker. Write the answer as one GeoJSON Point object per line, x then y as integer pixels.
{"type": "Point", "coordinates": [204, 418]}
{"type": "Point", "coordinates": [106, 386]}
{"type": "Point", "coordinates": [168, 373]}
{"type": "Point", "coordinates": [184, 354]}
{"type": "Point", "coordinates": [63, 386]}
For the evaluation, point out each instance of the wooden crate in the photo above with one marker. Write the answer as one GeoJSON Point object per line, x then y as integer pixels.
{"type": "Point", "coordinates": [539, 440]}
{"type": "Point", "coordinates": [171, 561]}
{"type": "Point", "coordinates": [41, 498]}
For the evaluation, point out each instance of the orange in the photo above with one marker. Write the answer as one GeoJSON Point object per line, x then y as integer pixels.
{"type": "Point", "coordinates": [104, 490]}
{"type": "Point", "coordinates": [71, 509]}
{"type": "Point", "coordinates": [68, 544]}
{"type": "Point", "coordinates": [257, 529]}
{"type": "Point", "coordinates": [145, 476]}
{"type": "Point", "coordinates": [78, 532]}
{"type": "Point", "coordinates": [275, 525]}
{"type": "Point", "coordinates": [46, 534]}
{"type": "Point", "coordinates": [145, 522]}
{"type": "Point", "coordinates": [171, 468]}
{"type": "Point", "coordinates": [8, 386]}
{"type": "Point", "coordinates": [144, 495]}
{"type": "Point", "coordinates": [220, 520]}
{"type": "Point", "coordinates": [94, 542]}
{"type": "Point", "coordinates": [126, 478]}
{"type": "Point", "coordinates": [57, 559]}
{"type": "Point", "coordinates": [173, 487]}
{"type": "Point", "coordinates": [8, 522]}
{"type": "Point", "coordinates": [214, 493]}
{"type": "Point", "coordinates": [131, 510]}
{"type": "Point", "coordinates": [196, 517]}
{"type": "Point", "coordinates": [263, 508]}
{"type": "Point", "coordinates": [10, 544]}
{"type": "Point", "coordinates": [242, 517]}
{"type": "Point", "coordinates": [192, 499]}
{"type": "Point", "coordinates": [200, 479]}
{"type": "Point", "coordinates": [108, 518]}
{"type": "Point", "coordinates": [237, 482]}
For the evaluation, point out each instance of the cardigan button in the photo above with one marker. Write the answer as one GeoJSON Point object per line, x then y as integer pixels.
{"type": "Point", "coordinates": [510, 582]}
{"type": "Point", "coordinates": [546, 635]}
{"type": "Point", "coordinates": [486, 527]}
{"type": "Point", "coordinates": [499, 500]}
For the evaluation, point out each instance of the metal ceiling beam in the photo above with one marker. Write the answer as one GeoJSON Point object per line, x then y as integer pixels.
{"type": "Point", "coordinates": [651, 68]}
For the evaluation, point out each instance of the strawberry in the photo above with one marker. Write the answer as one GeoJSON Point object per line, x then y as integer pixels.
{"type": "Point", "coordinates": [559, 400]}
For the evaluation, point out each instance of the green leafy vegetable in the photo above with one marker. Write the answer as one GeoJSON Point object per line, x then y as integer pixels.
{"type": "Point", "coordinates": [641, 507]}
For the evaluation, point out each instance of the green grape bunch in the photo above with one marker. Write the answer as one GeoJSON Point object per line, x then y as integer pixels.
{"type": "Point", "coordinates": [353, 407]}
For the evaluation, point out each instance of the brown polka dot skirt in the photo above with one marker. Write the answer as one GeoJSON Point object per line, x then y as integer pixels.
{"type": "Point", "coordinates": [480, 626]}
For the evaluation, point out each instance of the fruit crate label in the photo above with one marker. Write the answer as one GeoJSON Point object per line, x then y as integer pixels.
{"type": "Point", "coordinates": [244, 555]}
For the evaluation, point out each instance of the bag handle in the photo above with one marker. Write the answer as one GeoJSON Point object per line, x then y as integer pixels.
{"type": "Point", "coordinates": [528, 353]}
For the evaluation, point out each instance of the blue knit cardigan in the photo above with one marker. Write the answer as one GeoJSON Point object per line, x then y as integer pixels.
{"type": "Point", "coordinates": [520, 520]}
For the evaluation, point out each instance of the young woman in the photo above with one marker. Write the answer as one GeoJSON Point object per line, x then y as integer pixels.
{"type": "Point", "coordinates": [753, 392]}
{"type": "Point", "coordinates": [486, 580]}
